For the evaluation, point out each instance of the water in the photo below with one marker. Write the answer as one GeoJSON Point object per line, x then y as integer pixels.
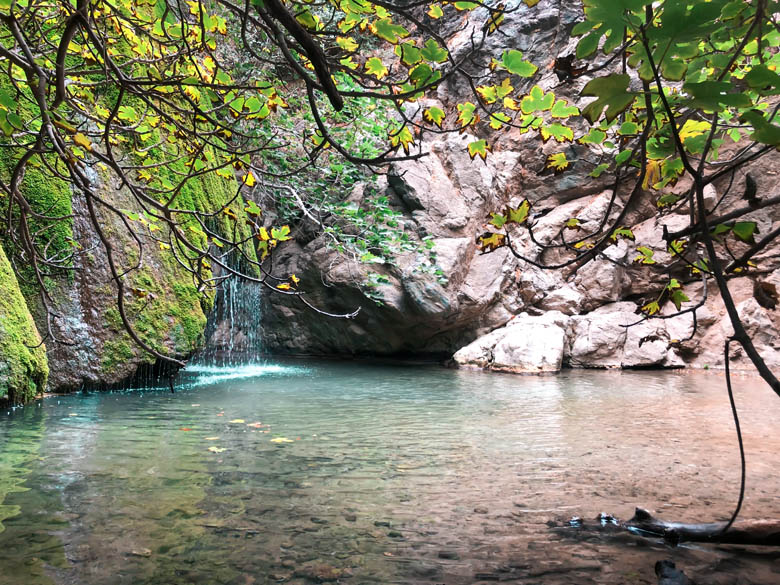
{"type": "Point", "coordinates": [233, 329]}
{"type": "Point", "coordinates": [305, 472]}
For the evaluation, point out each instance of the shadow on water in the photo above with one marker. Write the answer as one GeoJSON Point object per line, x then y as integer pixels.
{"type": "Point", "coordinates": [307, 472]}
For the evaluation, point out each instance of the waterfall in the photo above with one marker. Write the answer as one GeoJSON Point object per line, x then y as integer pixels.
{"type": "Point", "coordinates": [233, 330]}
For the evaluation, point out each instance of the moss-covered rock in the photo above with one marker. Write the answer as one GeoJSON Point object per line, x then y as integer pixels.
{"type": "Point", "coordinates": [23, 364]}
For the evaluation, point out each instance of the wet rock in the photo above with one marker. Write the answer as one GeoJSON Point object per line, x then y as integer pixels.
{"type": "Point", "coordinates": [528, 344]}
{"type": "Point", "coordinates": [321, 572]}
{"type": "Point", "coordinates": [449, 555]}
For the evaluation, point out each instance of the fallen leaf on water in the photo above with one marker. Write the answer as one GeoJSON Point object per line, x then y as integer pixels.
{"type": "Point", "coordinates": [185, 429]}
{"type": "Point", "coordinates": [281, 440]}
{"type": "Point", "coordinates": [195, 405]}
{"type": "Point", "coordinates": [73, 414]}
{"type": "Point", "coordinates": [217, 449]}
{"type": "Point", "coordinates": [211, 438]}
{"type": "Point", "coordinates": [237, 421]}
{"type": "Point", "coordinates": [256, 425]}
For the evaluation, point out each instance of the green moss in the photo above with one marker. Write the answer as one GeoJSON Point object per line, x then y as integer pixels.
{"type": "Point", "coordinates": [23, 369]}
{"type": "Point", "coordinates": [116, 352]}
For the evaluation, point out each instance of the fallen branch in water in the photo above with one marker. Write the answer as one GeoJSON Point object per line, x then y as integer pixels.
{"type": "Point", "coordinates": [746, 532]}
{"type": "Point", "coordinates": [643, 523]}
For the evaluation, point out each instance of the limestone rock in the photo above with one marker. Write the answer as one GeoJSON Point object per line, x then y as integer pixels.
{"type": "Point", "coordinates": [529, 344]}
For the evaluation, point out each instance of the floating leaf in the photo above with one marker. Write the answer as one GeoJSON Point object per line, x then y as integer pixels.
{"type": "Point", "coordinates": [237, 421]}
{"type": "Point", "coordinates": [281, 440]}
{"type": "Point", "coordinates": [211, 438]}
{"type": "Point", "coordinates": [217, 449]}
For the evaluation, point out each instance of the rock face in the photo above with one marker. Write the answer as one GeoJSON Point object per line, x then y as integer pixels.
{"type": "Point", "coordinates": [527, 344]}
{"type": "Point", "coordinates": [477, 312]}
{"type": "Point", "coordinates": [23, 365]}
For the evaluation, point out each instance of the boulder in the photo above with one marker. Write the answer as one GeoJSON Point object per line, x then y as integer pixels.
{"type": "Point", "coordinates": [528, 344]}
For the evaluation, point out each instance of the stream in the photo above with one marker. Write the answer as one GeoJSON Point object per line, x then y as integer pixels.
{"type": "Point", "coordinates": [304, 471]}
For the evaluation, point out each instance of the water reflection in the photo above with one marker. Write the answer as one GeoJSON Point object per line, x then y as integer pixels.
{"type": "Point", "coordinates": [309, 472]}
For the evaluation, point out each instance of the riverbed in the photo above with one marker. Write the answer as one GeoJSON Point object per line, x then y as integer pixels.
{"type": "Point", "coordinates": [305, 472]}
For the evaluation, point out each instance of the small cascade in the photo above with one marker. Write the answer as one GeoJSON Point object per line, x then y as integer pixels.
{"type": "Point", "coordinates": [233, 330]}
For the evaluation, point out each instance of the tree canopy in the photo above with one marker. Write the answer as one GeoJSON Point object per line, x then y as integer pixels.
{"type": "Point", "coordinates": [151, 95]}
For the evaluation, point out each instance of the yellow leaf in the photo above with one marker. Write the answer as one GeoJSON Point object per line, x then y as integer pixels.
{"type": "Point", "coordinates": [211, 438]}
{"type": "Point", "coordinates": [82, 141]}
{"type": "Point", "coordinates": [249, 179]}
{"type": "Point", "coordinates": [295, 279]}
{"type": "Point", "coordinates": [217, 449]}
{"type": "Point", "coordinates": [283, 286]}
{"type": "Point", "coordinates": [237, 421]}
{"type": "Point", "coordinates": [281, 440]}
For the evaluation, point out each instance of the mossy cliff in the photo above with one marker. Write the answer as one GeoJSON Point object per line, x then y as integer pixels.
{"type": "Point", "coordinates": [162, 302]}
{"type": "Point", "coordinates": [23, 364]}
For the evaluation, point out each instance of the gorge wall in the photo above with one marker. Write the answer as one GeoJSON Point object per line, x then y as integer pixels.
{"type": "Point", "coordinates": [579, 317]}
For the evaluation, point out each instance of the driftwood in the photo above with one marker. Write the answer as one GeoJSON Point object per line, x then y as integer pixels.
{"type": "Point", "coordinates": [745, 532]}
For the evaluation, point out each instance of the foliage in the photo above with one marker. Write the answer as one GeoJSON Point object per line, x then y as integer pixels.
{"type": "Point", "coordinates": [674, 84]}
{"type": "Point", "coordinates": [158, 94]}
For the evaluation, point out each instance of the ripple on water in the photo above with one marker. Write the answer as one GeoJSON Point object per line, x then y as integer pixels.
{"type": "Point", "coordinates": [375, 474]}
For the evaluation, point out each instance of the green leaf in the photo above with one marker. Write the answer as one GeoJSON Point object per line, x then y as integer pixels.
{"type": "Point", "coordinates": [431, 51]}
{"type": "Point", "coordinates": [764, 131]}
{"type": "Point", "coordinates": [375, 67]}
{"type": "Point", "coordinates": [434, 115]}
{"type": "Point", "coordinates": [612, 93]}
{"type": "Point", "coordinates": [561, 109]}
{"type": "Point", "coordinates": [518, 215]}
{"type": "Point", "coordinates": [409, 54]}
{"type": "Point", "coordinates": [623, 156]}
{"type": "Point", "coordinates": [537, 101]}
{"type": "Point", "coordinates": [678, 297]}
{"type": "Point", "coordinates": [622, 232]}
{"type": "Point", "coordinates": [479, 147]}
{"type": "Point", "coordinates": [281, 234]}
{"type": "Point", "coordinates": [588, 44]}
{"type": "Point", "coordinates": [514, 63]}
{"type": "Point", "coordinates": [389, 31]}
{"type": "Point", "coordinates": [744, 230]}
{"type": "Point", "coordinates": [763, 79]}
{"type": "Point", "coordinates": [715, 96]}
{"type": "Point", "coordinates": [557, 161]}
{"type": "Point", "coordinates": [560, 132]}
{"type": "Point", "coordinates": [599, 170]}
{"type": "Point", "coordinates": [645, 255]}
{"type": "Point", "coordinates": [497, 220]}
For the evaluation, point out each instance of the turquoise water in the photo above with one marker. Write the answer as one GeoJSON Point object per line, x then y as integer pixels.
{"type": "Point", "coordinates": [307, 472]}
